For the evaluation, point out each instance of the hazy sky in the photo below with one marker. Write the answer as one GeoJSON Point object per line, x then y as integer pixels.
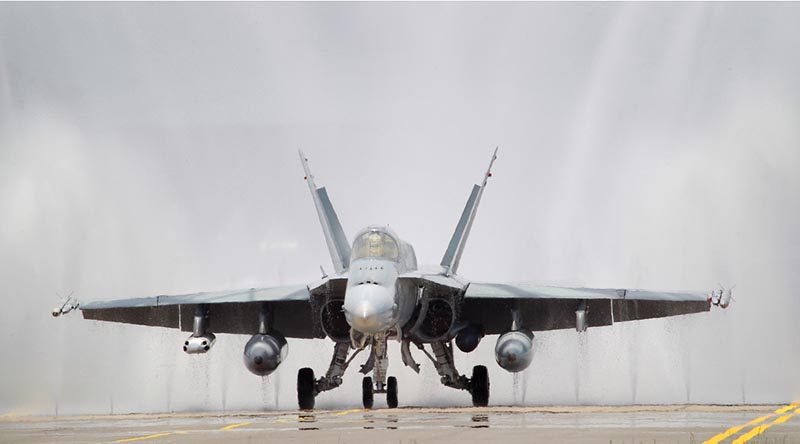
{"type": "Point", "coordinates": [151, 148]}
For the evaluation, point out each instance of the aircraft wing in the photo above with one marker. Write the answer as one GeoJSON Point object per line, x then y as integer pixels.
{"type": "Point", "coordinates": [552, 308]}
{"type": "Point", "coordinates": [233, 311]}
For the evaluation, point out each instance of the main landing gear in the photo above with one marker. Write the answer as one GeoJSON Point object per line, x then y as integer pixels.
{"type": "Point", "coordinates": [306, 390]}
{"type": "Point", "coordinates": [477, 385]}
{"type": "Point", "coordinates": [377, 363]}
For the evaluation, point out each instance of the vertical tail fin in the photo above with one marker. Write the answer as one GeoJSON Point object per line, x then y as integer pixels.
{"type": "Point", "coordinates": [452, 256]}
{"type": "Point", "coordinates": [338, 246]}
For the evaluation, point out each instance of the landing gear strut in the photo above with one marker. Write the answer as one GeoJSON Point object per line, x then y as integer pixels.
{"type": "Point", "coordinates": [378, 364]}
{"type": "Point", "coordinates": [308, 388]}
{"type": "Point", "coordinates": [477, 386]}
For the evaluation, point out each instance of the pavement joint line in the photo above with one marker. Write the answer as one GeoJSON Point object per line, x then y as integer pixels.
{"type": "Point", "coordinates": [736, 429]}
{"type": "Point", "coordinates": [142, 438]}
{"type": "Point", "coordinates": [235, 426]}
{"type": "Point", "coordinates": [757, 430]}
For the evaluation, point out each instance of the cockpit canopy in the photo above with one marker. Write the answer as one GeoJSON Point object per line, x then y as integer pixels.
{"type": "Point", "coordinates": [376, 242]}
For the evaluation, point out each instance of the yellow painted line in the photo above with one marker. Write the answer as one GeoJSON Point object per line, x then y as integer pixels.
{"type": "Point", "coordinates": [347, 412]}
{"type": "Point", "coordinates": [235, 426]}
{"type": "Point", "coordinates": [142, 438]}
{"type": "Point", "coordinates": [736, 429]}
{"type": "Point", "coordinates": [755, 431]}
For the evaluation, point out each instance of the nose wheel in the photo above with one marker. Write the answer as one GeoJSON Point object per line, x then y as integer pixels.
{"type": "Point", "coordinates": [368, 391]}
{"type": "Point", "coordinates": [391, 392]}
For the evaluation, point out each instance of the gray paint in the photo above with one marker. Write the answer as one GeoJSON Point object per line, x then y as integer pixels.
{"type": "Point", "coordinates": [338, 246]}
{"type": "Point", "coordinates": [150, 148]}
{"type": "Point", "coordinates": [531, 290]}
{"type": "Point", "coordinates": [284, 293]}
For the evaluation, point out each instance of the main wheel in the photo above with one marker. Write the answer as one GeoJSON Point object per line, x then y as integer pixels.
{"type": "Point", "coordinates": [479, 386]}
{"type": "Point", "coordinates": [366, 392]}
{"type": "Point", "coordinates": [305, 389]}
{"type": "Point", "coordinates": [391, 392]}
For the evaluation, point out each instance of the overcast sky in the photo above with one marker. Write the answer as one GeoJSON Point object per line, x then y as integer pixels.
{"type": "Point", "coordinates": [151, 148]}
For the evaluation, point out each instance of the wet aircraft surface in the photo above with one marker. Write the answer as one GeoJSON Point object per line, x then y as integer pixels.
{"type": "Point", "coordinates": [632, 424]}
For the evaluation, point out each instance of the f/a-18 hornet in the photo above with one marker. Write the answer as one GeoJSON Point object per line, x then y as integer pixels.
{"type": "Point", "coordinates": [377, 294]}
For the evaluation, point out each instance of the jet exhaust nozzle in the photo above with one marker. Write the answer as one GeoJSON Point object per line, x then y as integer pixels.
{"type": "Point", "coordinates": [263, 353]}
{"type": "Point", "coordinates": [514, 350]}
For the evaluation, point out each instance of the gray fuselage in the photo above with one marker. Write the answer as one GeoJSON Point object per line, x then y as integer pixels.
{"type": "Point", "coordinates": [375, 301]}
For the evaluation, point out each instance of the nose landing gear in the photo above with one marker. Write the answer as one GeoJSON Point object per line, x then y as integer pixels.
{"type": "Point", "coordinates": [308, 387]}
{"type": "Point", "coordinates": [368, 391]}
{"type": "Point", "coordinates": [391, 392]}
{"type": "Point", "coordinates": [367, 397]}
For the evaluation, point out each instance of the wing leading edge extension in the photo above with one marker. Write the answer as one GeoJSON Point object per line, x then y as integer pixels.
{"type": "Point", "coordinates": [552, 308]}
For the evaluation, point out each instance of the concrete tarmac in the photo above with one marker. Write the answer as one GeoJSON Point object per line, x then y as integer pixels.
{"type": "Point", "coordinates": [623, 424]}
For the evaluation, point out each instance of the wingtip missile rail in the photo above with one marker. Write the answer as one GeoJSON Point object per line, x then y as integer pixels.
{"type": "Point", "coordinates": [66, 306]}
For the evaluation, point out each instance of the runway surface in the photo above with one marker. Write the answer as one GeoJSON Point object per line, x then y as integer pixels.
{"type": "Point", "coordinates": [624, 424]}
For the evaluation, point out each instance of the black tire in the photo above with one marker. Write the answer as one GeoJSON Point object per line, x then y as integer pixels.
{"type": "Point", "coordinates": [367, 396]}
{"type": "Point", "coordinates": [479, 386]}
{"type": "Point", "coordinates": [305, 389]}
{"type": "Point", "coordinates": [391, 392]}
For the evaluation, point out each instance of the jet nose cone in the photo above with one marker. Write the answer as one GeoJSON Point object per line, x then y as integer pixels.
{"type": "Point", "coordinates": [369, 308]}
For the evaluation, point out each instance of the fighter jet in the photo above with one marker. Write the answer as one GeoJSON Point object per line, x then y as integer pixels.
{"type": "Point", "coordinates": [376, 294]}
